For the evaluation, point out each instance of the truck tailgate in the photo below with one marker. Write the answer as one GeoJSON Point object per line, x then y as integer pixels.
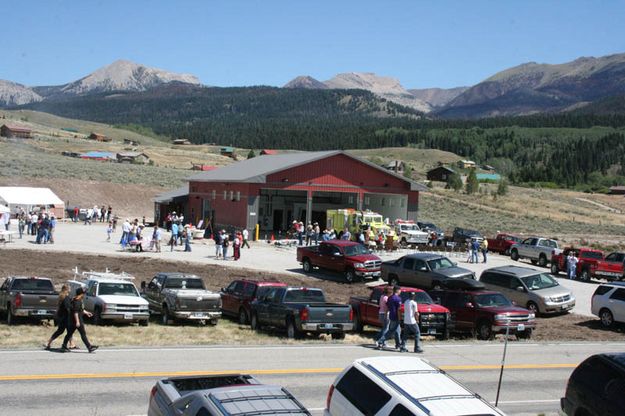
{"type": "Point", "coordinates": [38, 300]}
{"type": "Point", "coordinates": [329, 313]}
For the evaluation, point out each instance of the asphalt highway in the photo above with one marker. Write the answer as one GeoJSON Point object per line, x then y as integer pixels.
{"type": "Point", "coordinates": [118, 381]}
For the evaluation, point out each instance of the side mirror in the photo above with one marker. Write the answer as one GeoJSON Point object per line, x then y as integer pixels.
{"type": "Point", "coordinates": [223, 290]}
{"type": "Point", "coordinates": [143, 285]}
{"type": "Point", "coordinates": [520, 289]}
{"type": "Point", "coordinates": [455, 263]}
{"type": "Point", "coordinates": [514, 303]}
{"type": "Point", "coordinates": [422, 269]}
{"type": "Point", "coordinates": [469, 305]}
{"type": "Point", "coordinates": [337, 255]}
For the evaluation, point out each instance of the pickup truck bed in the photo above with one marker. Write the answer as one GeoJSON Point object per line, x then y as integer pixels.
{"type": "Point", "coordinates": [28, 297]}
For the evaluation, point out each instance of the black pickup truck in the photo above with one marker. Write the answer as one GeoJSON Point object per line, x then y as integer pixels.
{"type": "Point", "coordinates": [28, 297]}
{"type": "Point", "coordinates": [300, 310]}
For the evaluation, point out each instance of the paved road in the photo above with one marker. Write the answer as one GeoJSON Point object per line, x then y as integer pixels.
{"type": "Point", "coordinates": [118, 381]}
{"type": "Point", "coordinates": [87, 239]}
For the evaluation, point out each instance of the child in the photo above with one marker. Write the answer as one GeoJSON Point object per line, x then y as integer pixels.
{"type": "Point", "coordinates": [109, 231]}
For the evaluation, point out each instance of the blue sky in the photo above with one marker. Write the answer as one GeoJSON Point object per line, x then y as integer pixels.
{"type": "Point", "coordinates": [226, 43]}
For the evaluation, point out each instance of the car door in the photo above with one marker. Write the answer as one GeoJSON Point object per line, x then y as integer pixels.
{"type": "Point", "coordinates": [406, 271]}
{"type": "Point", "coordinates": [334, 258]}
{"type": "Point", "coordinates": [617, 305]}
{"type": "Point", "coordinates": [526, 248]}
{"type": "Point", "coordinates": [513, 292]}
{"type": "Point", "coordinates": [422, 274]}
{"type": "Point", "coordinates": [91, 296]}
{"type": "Point", "coordinates": [277, 309]}
{"type": "Point", "coordinates": [151, 294]}
{"type": "Point", "coordinates": [4, 290]}
{"type": "Point", "coordinates": [372, 307]}
{"type": "Point", "coordinates": [262, 306]}
{"type": "Point", "coordinates": [227, 297]}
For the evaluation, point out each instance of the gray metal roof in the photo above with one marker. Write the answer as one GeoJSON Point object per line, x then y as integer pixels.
{"type": "Point", "coordinates": [170, 195]}
{"type": "Point", "coordinates": [255, 170]}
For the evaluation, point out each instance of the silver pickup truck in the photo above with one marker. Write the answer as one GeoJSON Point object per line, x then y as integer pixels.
{"type": "Point", "coordinates": [179, 296]}
{"type": "Point", "coordinates": [537, 249]}
{"type": "Point", "coordinates": [32, 297]}
{"type": "Point", "coordinates": [221, 395]}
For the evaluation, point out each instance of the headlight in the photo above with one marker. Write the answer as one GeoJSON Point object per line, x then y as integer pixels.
{"type": "Point", "coordinates": [359, 265]}
{"type": "Point", "coordinates": [110, 306]}
{"type": "Point", "coordinates": [501, 317]}
{"type": "Point", "coordinates": [532, 316]}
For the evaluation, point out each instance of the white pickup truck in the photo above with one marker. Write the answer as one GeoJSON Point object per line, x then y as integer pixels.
{"type": "Point", "coordinates": [112, 297]}
{"type": "Point", "coordinates": [537, 249]}
{"type": "Point", "coordinates": [409, 234]}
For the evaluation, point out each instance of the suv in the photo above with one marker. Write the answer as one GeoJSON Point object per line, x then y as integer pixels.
{"type": "Point", "coordinates": [397, 386]}
{"type": "Point", "coordinates": [237, 297]}
{"type": "Point", "coordinates": [424, 270]}
{"type": "Point", "coordinates": [608, 303]}
{"type": "Point", "coordinates": [462, 235]}
{"type": "Point", "coordinates": [484, 312]}
{"type": "Point", "coordinates": [596, 387]}
{"type": "Point", "coordinates": [533, 289]}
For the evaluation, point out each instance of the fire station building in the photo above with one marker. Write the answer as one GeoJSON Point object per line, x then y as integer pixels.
{"type": "Point", "coordinates": [275, 189]}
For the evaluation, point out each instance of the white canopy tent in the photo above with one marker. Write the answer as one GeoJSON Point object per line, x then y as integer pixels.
{"type": "Point", "coordinates": [31, 199]}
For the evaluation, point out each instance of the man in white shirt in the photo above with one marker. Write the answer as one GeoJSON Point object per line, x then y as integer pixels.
{"type": "Point", "coordinates": [246, 236]}
{"type": "Point", "coordinates": [411, 323]}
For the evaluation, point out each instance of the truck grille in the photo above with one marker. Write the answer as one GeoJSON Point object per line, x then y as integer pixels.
{"type": "Point", "coordinates": [129, 308]}
{"type": "Point", "coordinates": [373, 264]}
{"type": "Point", "coordinates": [558, 299]}
{"type": "Point", "coordinates": [518, 318]}
{"type": "Point", "coordinates": [433, 317]}
{"type": "Point", "coordinates": [202, 305]}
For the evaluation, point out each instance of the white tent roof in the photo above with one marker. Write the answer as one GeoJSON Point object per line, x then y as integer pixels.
{"type": "Point", "coordinates": [19, 195]}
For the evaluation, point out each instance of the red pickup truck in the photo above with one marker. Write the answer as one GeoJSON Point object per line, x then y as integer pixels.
{"type": "Point", "coordinates": [433, 318]}
{"type": "Point", "coordinates": [347, 257]}
{"type": "Point", "coordinates": [610, 268]}
{"type": "Point", "coordinates": [587, 264]}
{"type": "Point", "coordinates": [502, 243]}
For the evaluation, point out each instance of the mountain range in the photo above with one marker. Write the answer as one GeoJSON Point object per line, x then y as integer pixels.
{"type": "Point", "coordinates": [526, 89]}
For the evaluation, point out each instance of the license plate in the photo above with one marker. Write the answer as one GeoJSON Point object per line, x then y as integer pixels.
{"type": "Point", "coordinates": [376, 274]}
{"type": "Point", "coordinates": [128, 316]}
{"type": "Point", "coordinates": [41, 312]}
{"type": "Point", "coordinates": [327, 326]}
{"type": "Point", "coordinates": [432, 331]}
{"type": "Point", "coordinates": [199, 315]}
{"type": "Point", "coordinates": [565, 307]}
{"type": "Point", "coordinates": [520, 327]}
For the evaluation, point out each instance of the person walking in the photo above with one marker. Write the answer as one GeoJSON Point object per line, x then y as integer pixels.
{"type": "Point", "coordinates": [393, 303]}
{"type": "Point", "coordinates": [411, 323]}
{"type": "Point", "coordinates": [76, 214]}
{"type": "Point", "coordinates": [186, 235]}
{"type": "Point", "coordinates": [218, 244]}
{"type": "Point", "coordinates": [75, 322]}
{"type": "Point", "coordinates": [62, 313]}
{"type": "Point", "coordinates": [21, 224]}
{"type": "Point", "coordinates": [571, 263]}
{"type": "Point", "coordinates": [246, 235]}
{"type": "Point", "coordinates": [383, 311]}
{"type": "Point", "coordinates": [174, 235]}
{"type": "Point", "coordinates": [236, 247]}
{"type": "Point", "coordinates": [484, 248]}
{"type": "Point", "coordinates": [156, 238]}
{"type": "Point", "coordinates": [109, 231]}
{"type": "Point", "coordinates": [475, 247]}
{"type": "Point", "coordinates": [300, 233]}
{"type": "Point", "coordinates": [225, 245]}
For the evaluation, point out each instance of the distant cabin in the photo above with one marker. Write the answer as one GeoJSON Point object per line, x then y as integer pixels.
{"type": "Point", "coordinates": [488, 168]}
{"type": "Point", "coordinates": [99, 137]}
{"type": "Point", "coordinates": [226, 151]}
{"type": "Point", "coordinates": [10, 131]}
{"type": "Point", "coordinates": [203, 168]}
{"type": "Point", "coordinates": [131, 142]}
{"type": "Point", "coordinates": [617, 190]}
{"type": "Point", "coordinates": [396, 166]}
{"type": "Point", "coordinates": [181, 141]}
{"type": "Point", "coordinates": [440, 174]}
{"type": "Point", "coordinates": [466, 164]}
{"type": "Point", "coordinates": [268, 152]}
{"type": "Point", "coordinates": [133, 157]}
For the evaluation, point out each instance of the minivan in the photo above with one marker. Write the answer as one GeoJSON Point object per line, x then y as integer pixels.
{"type": "Point", "coordinates": [398, 386]}
{"type": "Point", "coordinates": [608, 303]}
{"type": "Point", "coordinates": [530, 288]}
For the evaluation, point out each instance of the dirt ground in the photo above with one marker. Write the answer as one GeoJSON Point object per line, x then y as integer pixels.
{"type": "Point", "coordinates": [58, 266]}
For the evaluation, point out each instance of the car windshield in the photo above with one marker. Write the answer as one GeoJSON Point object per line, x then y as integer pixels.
{"type": "Point", "coordinates": [539, 281]}
{"type": "Point", "coordinates": [440, 263]}
{"type": "Point", "coordinates": [119, 289]}
{"type": "Point", "coordinates": [427, 225]}
{"type": "Point", "coordinates": [422, 297]}
{"type": "Point", "coordinates": [409, 227]}
{"type": "Point", "coordinates": [355, 250]}
{"type": "Point", "coordinates": [184, 282]}
{"type": "Point", "coordinates": [492, 300]}
{"type": "Point", "coordinates": [592, 255]}
{"type": "Point", "coordinates": [371, 219]}
{"type": "Point", "coordinates": [304, 295]}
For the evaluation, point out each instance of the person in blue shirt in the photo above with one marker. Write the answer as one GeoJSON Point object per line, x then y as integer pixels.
{"type": "Point", "coordinates": [174, 235]}
{"type": "Point", "coordinates": [393, 303]}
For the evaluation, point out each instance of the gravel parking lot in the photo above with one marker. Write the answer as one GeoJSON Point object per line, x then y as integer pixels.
{"type": "Point", "coordinates": [91, 239]}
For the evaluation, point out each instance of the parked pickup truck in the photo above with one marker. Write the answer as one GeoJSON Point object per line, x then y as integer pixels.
{"type": "Point", "coordinates": [179, 296]}
{"type": "Point", "coordinates": [221, 395]}
{"type": "Point", "coordinates": [347, 257]}
{"type": "Point", "coordinates": [424, 270]}
{"type": "Point", "coordinates": [610, 268]}
{"type": "Point", "coordinates": [433, 318]}
{"type": "Point", "coordinates": [485, 313]}
{"type": "Point", "coordinates": [587, 264]}
{"type": "Point", "coordinates": [32, 297]}
{"type": "Point", "coordinates": [240, 293]}
{"type": "Point", "coordinates": [300, 310]}
{"type": "Point", "coordinates": [502, 243]}
{"type": "Point", "coordinates": [409, 233]}
{"type": "Point", "coordinates": [537, 249]}
{"type": "Point", "coordinates": [112, 297]}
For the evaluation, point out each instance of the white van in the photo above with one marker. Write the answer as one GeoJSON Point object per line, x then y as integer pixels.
{"type": "Point", "coordinates": [398, 386]}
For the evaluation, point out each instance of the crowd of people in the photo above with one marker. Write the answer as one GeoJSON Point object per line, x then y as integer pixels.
{"type": "Point", "coordinates": [41, 224]}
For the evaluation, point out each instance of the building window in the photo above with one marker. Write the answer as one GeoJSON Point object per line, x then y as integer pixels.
{"type": "Point", "coordinates": [238, 196]}
{"type": "Point", "coordinates": [390, 202]}
{"type": "Point", "coordinates": [383, 201]}
{"type": "Point", "coordinates": [367, 200]}
{"type": "Point", "coordinates": [232, 195]}
{"type": "Point", "coordinates": [214, 194]}
{"type": "Point", "coordinates": [225, 195]}
{"type": "Point", "coordinates": [402, 202]}
{"type": "Point", "coordinates": [350, 200]}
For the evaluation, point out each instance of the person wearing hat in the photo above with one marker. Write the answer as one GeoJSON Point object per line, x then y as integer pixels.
{"type": "Point", "coordinates": [75, 322]}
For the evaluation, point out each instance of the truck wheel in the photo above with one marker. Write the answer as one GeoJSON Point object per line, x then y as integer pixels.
{"type": "Point", "coordinates": [514, 255]}
{"type": "Point", "coordinates": [254, 324]}
{"type": "Point", "coordinates": [393, 280]}
{"type": "Point", "coordinates": [607, 319]}
{"type": "Point", "coordinates": [165, 316]}
{"type": "Point", "coordinates": [291, 330]}
{"type": "Point", "coordinates": [97, 317]}
{"type": "Point", "coordinates": [527, 334]}
{"type": "Point", "coordinates": [213, 322]}
{"type": "Point", "coordinates": [403, 243]}
{"type": "Point", "coordinates": [338, 335]}
{"type": "Point", "coordinates": [532, 307]}
{"type": "Point", "coordinates": [534, 262]}
{"type": "Point", "coordinates": [350, 276]}
{"type": "Point", "coordinates": [242, 317]}
{"type": "Point", "coordinates": [554, 269]}
{"type": "Point", "coordinates": [144, 323]}
{"type": "Point", "coordinates": [484, 330]}
{"type": "Point", "coordinates": [358, 326]}
{"type": "Point", "coordinates": [542, 260]}
{"type": "Point", "coordinates": [585, 276]}
{"type": "Point", "coordinates": [307, 266]}
{"type": "Point", "coordinates": [10, 317]}
{"type": "Point", "coordinates": [507, 252]}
